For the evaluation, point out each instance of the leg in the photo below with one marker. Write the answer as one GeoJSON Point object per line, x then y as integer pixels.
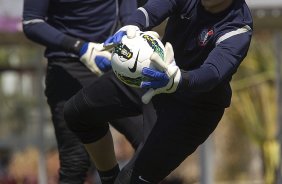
{"type": "Point", "coordinates": [86, 113]}
{"type": "Point", "coordinates": [130, 127]}
{"type": "Point", "coordinates": [137, 128]}
{"type": "Point", "coordinates": [74, 160]}
{"type": "Point", "coordinates": [177, 134]}
{"type": "Point", "coordinates": [100, 149]}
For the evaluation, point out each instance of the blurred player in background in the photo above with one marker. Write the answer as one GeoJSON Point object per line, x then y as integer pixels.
{"type": "Point", "coordinates": [209, 39]}
{"type": "Point", "coordinates": [71, 31]}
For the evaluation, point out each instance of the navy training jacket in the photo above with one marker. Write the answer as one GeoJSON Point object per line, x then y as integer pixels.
{"type": "Point", "coordinates": [208, 47]}
{"type": "Point", "coordinates": [47, 22]}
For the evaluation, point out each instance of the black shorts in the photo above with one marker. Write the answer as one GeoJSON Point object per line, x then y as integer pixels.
{"type": "Point", "coordinates": [105, 100]}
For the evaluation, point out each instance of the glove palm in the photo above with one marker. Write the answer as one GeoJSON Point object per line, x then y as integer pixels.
{"type": "Point", "coordinates": [166, 80]}
{"type": "Point", "coordinates": [95, 57]}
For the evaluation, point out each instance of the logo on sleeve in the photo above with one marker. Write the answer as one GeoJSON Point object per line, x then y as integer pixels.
{"type": "Point", "coordinates": [204, 36]}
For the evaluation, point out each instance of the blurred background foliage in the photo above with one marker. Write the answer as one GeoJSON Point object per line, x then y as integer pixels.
{"type": "Point", "coordinates": [245, 145]}
{"type": "Point", "coordinates": [252, 116]}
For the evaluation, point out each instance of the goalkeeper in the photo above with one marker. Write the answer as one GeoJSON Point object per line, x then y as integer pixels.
{"type": "Point", "coordinates": [206, 40]}
{"type": "Point", "coordinates": [71, 31]}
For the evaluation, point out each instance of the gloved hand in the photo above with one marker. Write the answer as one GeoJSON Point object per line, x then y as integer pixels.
{"type": "Point", "coordinates": [165, 79]}
{"type": "Point", "coordinates": [130, 31]}
{"type": "Point", "coordinates": [95, 57]}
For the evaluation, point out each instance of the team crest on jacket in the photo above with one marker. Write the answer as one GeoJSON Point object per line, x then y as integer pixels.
{"type": "Point", "coordinates": [204, 36]}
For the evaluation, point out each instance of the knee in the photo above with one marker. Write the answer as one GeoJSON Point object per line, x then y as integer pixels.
{"type": "Point", "coordinates": [81, 121]}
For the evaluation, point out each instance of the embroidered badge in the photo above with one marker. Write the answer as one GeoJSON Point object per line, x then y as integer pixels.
{"type": "Point", "coordinates": [204, 36]}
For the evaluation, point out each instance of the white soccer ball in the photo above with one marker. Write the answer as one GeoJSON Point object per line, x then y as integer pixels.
{"type": "Point", "coordinates": [132, 55]}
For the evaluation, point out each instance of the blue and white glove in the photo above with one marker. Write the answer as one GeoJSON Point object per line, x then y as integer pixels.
{"type": "Point", "coordinates": [130, 31]}
{"type": "Point", "coordinates": [95, 57]}
{"type": "Point", "coordinates": [164, 80]}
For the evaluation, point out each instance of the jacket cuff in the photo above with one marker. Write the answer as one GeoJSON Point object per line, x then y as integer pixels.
{"type": "Point", "coordinates": [71, 44]}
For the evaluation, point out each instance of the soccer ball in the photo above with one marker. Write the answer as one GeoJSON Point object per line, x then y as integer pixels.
{"type": "Point", "coordinates": [132, 55]}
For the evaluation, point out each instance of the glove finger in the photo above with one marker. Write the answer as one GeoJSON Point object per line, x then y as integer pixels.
{"type": "Point", "coordinates": [172, 71]}
{"type": "Point", "coordinates": [131, 32]}
{"type": "Point", "coordinates": [169, 54]}
{"type": "Point", "coordinates": [154, 74]}
{"type": "Point", "coordinates": [153, 33]}
{"type": "Point", "coordinates": [153, 84]}
{"type": "Point", "coordinates": [109, 41]}
{"type": "Point", "coordinates": [103, 63]}
{"type": "Point", "coordinates": [145, 85]}
{"type": "Point", "coordinates": [115, 39]}
{"type": "Point", "coordinates": [118, 37]}
{"type": "Point", "coordinates": [158, 62]}
{"type": "Point", "coordinates": [146, 98]}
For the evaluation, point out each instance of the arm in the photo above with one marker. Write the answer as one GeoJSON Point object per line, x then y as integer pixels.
{"type": "Point", "coordinates": [141, 2]}
{"type": "Point", "coordinates": [144, 18]}
{"type": "Point", "coordinates": [153, 13]}
{"type": "Point", "coordinates": [223, 61]}
{"type": "Point", "coordinates": [37, 30]}
{"type": "Point", "coordinates": [126, 8]}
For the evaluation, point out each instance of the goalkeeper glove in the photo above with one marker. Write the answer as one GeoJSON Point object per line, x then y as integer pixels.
{"type": "Point", "coordinates": [164, 80]}
{"type": "Point", "coordinates": [95, 57]}
{"type": "Point", "coordinates": [130, 31]}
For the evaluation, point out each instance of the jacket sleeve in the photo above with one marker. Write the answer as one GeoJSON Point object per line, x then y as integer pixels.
{"type": "Point", "coordinates": [154, 12]}
{"type": "Point", "coordinates": [126, 8]}
{"type": "Point", "coordinates": [223, 61]}
{"type": "Point", "coordinates": [36, 29]}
